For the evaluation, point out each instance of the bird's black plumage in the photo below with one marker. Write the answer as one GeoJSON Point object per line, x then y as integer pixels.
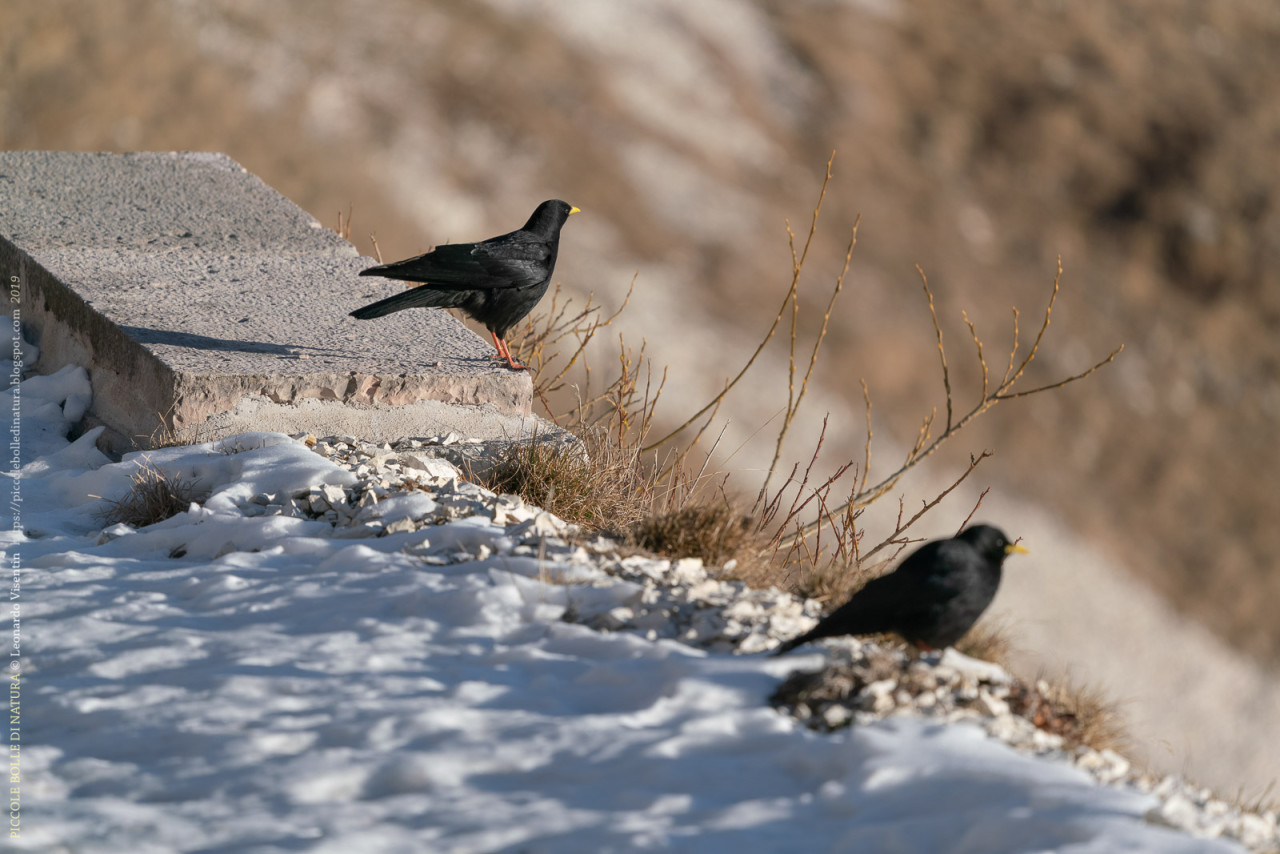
{"type": "Point", "coordinates": [931, 599]}
{"type": "Point", "coordinates": [496, 281]}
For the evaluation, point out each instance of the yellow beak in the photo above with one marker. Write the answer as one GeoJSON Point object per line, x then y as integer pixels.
{"type": "Point", "coordinates": [574, 210]}
{"type": "Point", "coordinates": [1014, 548]}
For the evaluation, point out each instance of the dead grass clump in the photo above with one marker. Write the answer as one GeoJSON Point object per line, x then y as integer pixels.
{"type": "Point", "coordinates": [1080, 714]}
{"type": "Point", "coordinates": [989, 641]}
{"type": "Point", "coordinates": [599, 485]}
{"type": "Point", "coordinates": [153, 496]}
{"type": "Point", "coordinates": [714, 530]}
{"type": "Point", "coordinates": [1265, 799]}
{"type": "Point", "coordinates": [167, 435]}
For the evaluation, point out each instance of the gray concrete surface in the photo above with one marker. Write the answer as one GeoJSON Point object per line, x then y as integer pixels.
{"type": "Point", "coordinates": [186, 286]}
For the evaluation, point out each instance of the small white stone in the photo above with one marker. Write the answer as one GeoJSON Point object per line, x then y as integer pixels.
{"type": "Point", "coordinates": [432, 466]}
{"type": "Point", "coordinates": [617, 618]}
{"type": "Point", "coordinates": [333, 494]}
{"type": "Point", "coordinates": [706, 625]}
{"type": "Point", "coordinates": [1255, 831]}
{"type": "Point", "coordinates": [1045, 742]}
{"type": "Point", "coordinates": [1005, 729]}
{"type": "Point", "coordinates": [117, 530]}
{"type": "Point", "coordinates": [1090, 760]}
{"type": "Point", "coordinates": [1117, 766]}
{"type": "Point", "coordinates": [688, 571]}
{"type": "Point", "coordinates": [990, 705]}
{"type": "Point", "coordinates": [709, 589]}
{"type": "Point", "coordinates": [835, 716]}
{"type": "Point", "coordinates": [401, 526]}
{"type": "Point", "coordinates": [542, 525]}
{"type": "Point", "coordinates": [881, 694]}
{"type": "Point", "coordinates": [756, 642]}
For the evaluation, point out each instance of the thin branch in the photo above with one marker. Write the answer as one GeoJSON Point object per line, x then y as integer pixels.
{"type": "Point", "coordinates": [942, 353]}
{"type": "Point", "coordinates": [928, 505]}
{"type": "Point", "coordinates": [977, 342]}
{"type": "Point", "coordinates": [1060, 383]}
{"type": "Point", "coordinates": [1048, 314]}
{"type": "Point", "coordinates": [794, 400]}
{"type": "Point", "coordinates": [1013, 351]}
{"type": "Point", "coordinates": [923, 448]}
{"type": "Point", "coordinates": [973, 512]}
{"type": "Point", "coordinates": [866, 450]}
{"type": "Point", "coordinates": [797, 265]}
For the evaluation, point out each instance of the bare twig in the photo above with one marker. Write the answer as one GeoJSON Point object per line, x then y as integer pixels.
{"type": "Point", "coordinates": [866, 450]}
{"type": "Point", "coordinates": [794, 400]}
{"type": "Point", "coordinates": [973, 512]}
{"type": "Point", "coordinates": [977, 342]}
{"type": "Point", "coordinates": [797, 265]}
{"type": "Point", "coordinates": [901, 527]}
{"type": "Point", "coordinates": [923, 447]}
{"type": "Point", "coordinates": [942, 353]}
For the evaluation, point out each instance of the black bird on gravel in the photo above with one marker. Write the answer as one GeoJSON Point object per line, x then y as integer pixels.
{"type": "Point", "coordinates": [931, 599]}
{"type": "Point", "coordinates": [496, 281]}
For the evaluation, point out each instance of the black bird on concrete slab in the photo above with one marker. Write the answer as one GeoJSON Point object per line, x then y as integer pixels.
{"type": "Point", "coordinates": [496, 281]}
{"type": "Point", "coordinates": [931, 599]}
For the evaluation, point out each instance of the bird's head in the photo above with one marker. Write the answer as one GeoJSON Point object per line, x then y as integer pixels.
{"type": "Point", "coordinates": [991, 543]}
{"type": "Point", "coordinates": [549, 217]}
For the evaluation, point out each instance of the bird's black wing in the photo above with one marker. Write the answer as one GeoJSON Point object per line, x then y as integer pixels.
{"type": "Point", "coordinates": [909, 593]}
{"type": "Point", "coordinates": [504, 262]}
{"type": "Point", "coordinates": [931, 577]}
{"type": "Point", "coordinates": [892, 599]}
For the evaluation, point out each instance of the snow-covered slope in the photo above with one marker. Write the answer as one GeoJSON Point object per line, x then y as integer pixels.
{"type": "Point", "coordinates": [240, 680]}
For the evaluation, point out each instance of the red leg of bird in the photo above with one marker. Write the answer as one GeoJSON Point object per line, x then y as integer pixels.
{"type": "Point", "coordinates": [506, 352]}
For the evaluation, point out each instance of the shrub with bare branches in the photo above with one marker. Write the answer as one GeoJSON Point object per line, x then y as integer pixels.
{"type": "Point", "coordinates": [806, 533]}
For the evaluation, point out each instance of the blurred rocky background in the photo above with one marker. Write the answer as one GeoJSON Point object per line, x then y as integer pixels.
{"type": "Point", "coordinates": [981, 139]}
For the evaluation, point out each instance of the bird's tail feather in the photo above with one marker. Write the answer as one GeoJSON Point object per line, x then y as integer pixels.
{"type": "Point", "coordinates": [413, 298]}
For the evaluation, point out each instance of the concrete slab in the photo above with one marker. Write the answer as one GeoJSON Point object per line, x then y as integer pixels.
{"type": "Point", "coordinates": [186, 286]}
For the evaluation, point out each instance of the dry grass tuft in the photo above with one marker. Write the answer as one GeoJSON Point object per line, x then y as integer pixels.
{"type": "Point", "coordinates": [1081, 714]}
{"type": "Point", "coordinates": [168, 436]}
{"type": "Point", "coordinates": [715, 530]}
{"type": "Point", "coordinates": [599, 485]}
{"type": "Point", "coordinates": [1265, 799]}
{"type": "Point", "coordinates": [153, 497]}
{"type": "Point", "coordinates": [989, 641]}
